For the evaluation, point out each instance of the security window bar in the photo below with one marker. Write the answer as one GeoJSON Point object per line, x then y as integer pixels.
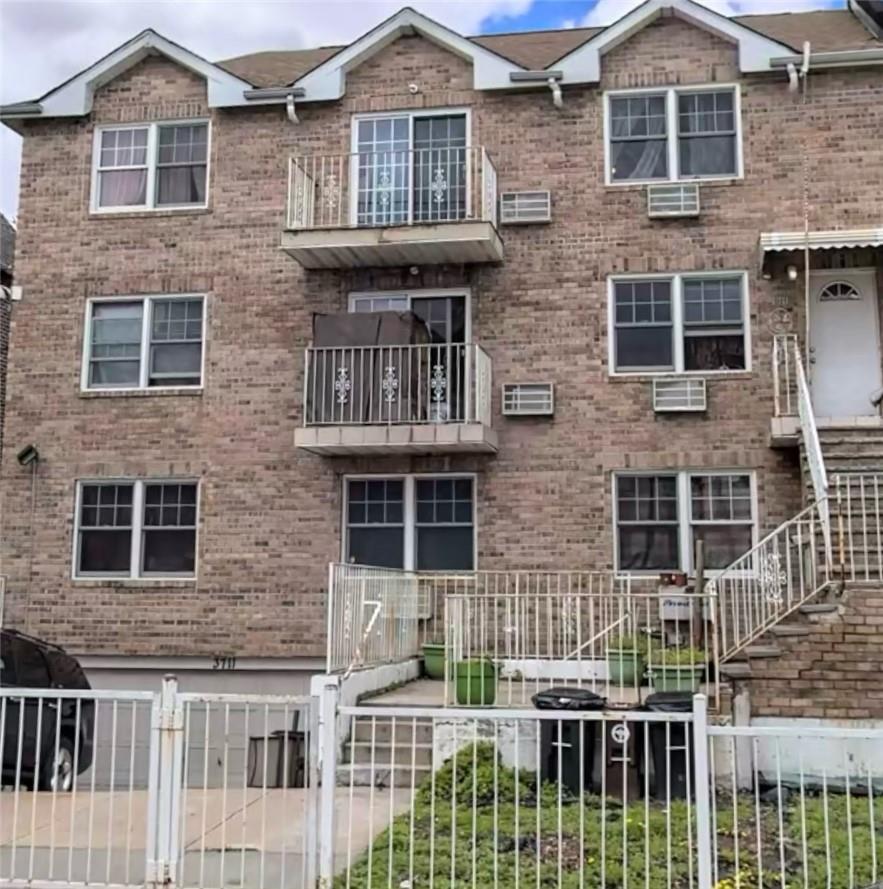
{"type": "Point", "coordinates": [148, 342]}
{"type": "Point", "coordinates": [644, 325]}
{"type": "Point", "coordinates": [660, 518]}
{"type": "Point", "coordinates": [411, 522]}
{"type": "Point", "coordinates": [673, 134]}
{"type": "Point", "coordinates": [682, 323]}
{"type": "Point", "coordinates": [150, 166]}
{"type": "Point", "coordinates": [136, 529]}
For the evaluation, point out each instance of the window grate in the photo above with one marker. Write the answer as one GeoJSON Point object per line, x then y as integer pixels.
{"type": "Point", "coordinates": [672, 200]}
{"type": "Point", "coordinates": [673, 396]}
{"type": "Point", "coordinates": [528, 399]}
{"type": "Point", "coordinates": [525, 207]}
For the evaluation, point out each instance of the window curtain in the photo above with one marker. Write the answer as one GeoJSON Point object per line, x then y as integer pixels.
{"type": "Point", "coordinates": [123, 188]}
{"type": "Point", "coordinates": [181, 185]}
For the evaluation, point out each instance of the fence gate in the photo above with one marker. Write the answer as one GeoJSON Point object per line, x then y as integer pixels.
{"type": "Point", "coordinates": [134, 789]}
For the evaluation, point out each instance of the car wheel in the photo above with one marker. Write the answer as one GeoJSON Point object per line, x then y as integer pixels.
{"type": "Point", "coordinates": [58, 771]}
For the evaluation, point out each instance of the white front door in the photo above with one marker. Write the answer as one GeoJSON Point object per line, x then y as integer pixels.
{"type": "Point", "coordinates": [844, 350]}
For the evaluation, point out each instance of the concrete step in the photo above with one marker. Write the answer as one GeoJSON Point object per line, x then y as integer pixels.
{"type": "Point", "coordinates": [819, 608]}
{"type": "Point", "coordinates": [785, 630]}
{"type": "Point", "coordinates": [380, 729]}
{"type": "Point", "coordinates": [757, 651]}
{"type": "Point", "coordinates": [736, 670]}
{"type": "Point", "coordinates": [403, 756]}
{"type": "Point", "coordinates": [358, 775]}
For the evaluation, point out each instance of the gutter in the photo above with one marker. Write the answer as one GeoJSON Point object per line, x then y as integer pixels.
{"type": "Point", "coordinates": [21, 109]}
{"type": "Point", "coordinates": [277, 93]}
{"type": "Point", "coordinates": [833, 59]}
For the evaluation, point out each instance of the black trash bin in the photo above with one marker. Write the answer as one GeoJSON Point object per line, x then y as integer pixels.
{"type": "Point", "coordinates": [567, 746]}
{"type": "Point", "coordinates": [672, 758]}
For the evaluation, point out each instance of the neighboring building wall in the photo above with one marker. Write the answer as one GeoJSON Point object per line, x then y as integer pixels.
{"type": "Point", "coordinates": [7, 265]}
{"type": "Point", "coordinates": [270, 517]}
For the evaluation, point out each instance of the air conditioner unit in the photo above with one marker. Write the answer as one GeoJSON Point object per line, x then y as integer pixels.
{"type": "Point", "coordinates": [675, 396]}
{"type": "Point", "coordinates": [524, 207]}
{"type": "Point", "coordinates": [528, 399]}
{"type": "Point", "coordinates": [668, 201]}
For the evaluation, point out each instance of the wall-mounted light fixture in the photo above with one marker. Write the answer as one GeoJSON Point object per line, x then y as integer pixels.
{"type": "Point", "coordinates": [28, 455]}
{"type": "Point", "coordinates": [792, 272]}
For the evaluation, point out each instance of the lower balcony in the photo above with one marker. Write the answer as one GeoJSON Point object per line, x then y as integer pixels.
{"type": "Point", "coordinates": [403, 399]}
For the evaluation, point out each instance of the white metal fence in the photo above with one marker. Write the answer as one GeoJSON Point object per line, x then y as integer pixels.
{"type": "Point", "coordinates": [856, 501]}
{"type": "Point", "coordinates": [390, 385]}
{"type": "Point", "coordinates": [121, 788]}
{"type": "Point", "coordinates": [395, 187]}
{"type": "Point", "coordinates": [254, 792]}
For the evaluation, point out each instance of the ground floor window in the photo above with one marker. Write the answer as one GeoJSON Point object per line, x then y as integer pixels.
{"type": "Point", "coordinates": [424, 523]}
{"type": "Point", "coordinates": [136, 529]}
{"type": "Point", "coordinates": [660, 516]}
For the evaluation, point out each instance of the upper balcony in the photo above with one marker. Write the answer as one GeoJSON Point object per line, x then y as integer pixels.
{"type": "Point", "coordinates": [400, 207]}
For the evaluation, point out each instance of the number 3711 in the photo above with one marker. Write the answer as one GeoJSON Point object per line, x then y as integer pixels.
{"type": "Point", "coordinates": [224, 663]}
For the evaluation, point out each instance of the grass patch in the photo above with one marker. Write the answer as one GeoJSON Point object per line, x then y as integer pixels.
{"type": "Point", "coordinates": [484, 825]}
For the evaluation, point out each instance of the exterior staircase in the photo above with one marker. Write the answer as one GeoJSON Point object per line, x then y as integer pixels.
{"type": "Point", "coordinates": [386, 751]}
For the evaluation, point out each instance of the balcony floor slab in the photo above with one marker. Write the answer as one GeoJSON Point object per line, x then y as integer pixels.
{"type": "Point", "coordinates": [417, 438]}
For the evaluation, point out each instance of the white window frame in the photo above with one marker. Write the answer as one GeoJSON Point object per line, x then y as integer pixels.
{"type": "Point", "coordinates": [150, 205]}
{"type": "Point", "coordinates": [677, 323]}
{"type": "Point", "coordinates": [144, 357]}
{"type": "Point", "coordinates": [410, 114]}
{"type": "Point", "coordinates": [685, 514]}
{"type": "Point", "coordinates": [671, 124]}
{"type": "Point", "coordinates": [409, 513]}
{"type": "Point", "coordinates": [135, 574]}
{"type": "Point", "coordinates": [410, 295]}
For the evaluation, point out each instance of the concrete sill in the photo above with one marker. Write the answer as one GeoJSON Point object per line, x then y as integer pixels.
{"type": "Point", "coordinates": [113, 216]}
{"type": "Point", "coordinates": [134, 583]}
{"type": "Point", "coordinates": [141, 393]}
{"type": "Point", "coordinates": [711, 376]}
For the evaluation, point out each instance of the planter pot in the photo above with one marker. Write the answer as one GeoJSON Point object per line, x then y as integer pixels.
{"type": "Point", "coordinates": [476, 683]}
{"type": "Point", "coordinates": [625, 666]}
{"type": "Point", "coordinates": [677, 677]}
{"type": "Point", "coordinates": [434, 660]}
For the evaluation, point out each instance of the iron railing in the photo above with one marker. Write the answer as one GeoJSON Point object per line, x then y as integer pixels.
{"type": "Point", "coordinates": [393, 385]}
{"type": "Point", "coordinates": [424, 186]}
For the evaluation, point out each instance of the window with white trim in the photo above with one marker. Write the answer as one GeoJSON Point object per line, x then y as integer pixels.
{"type": "Point", "coordinates": [136, 529]}
{"type": "Point", "coordinates": [423, 523]}
{"type": "Point", "coordinates": [659, 518]}
{"type": "Point", "coordinates": [150, 166]}
{"type": "Point", "coordinates": [677, 323]}
{"type": "Point", "coordinates": [145, 342]}
{"type": "Point", "coordinates": [672, 134]}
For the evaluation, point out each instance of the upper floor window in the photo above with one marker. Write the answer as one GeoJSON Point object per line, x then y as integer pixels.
{"type": "Point", "coordinates": [674, 323]}
{"type": "Point", "coordinates": [136, 529]}
{"type": "Point", "coordinates": [673, 134]}
{"type": "Point", "coordinates": [150, 166]}
{"type": "Point", "coordinates": [143, 342]}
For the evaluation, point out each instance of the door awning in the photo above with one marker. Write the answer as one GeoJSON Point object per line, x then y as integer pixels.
{"type": "Point", "coordinates": [778, 242]}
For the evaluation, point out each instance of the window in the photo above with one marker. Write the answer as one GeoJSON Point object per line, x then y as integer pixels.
{"type": "Point", "coordinates": [144, 342]}
{"type": "Point", "coordinates": [445, 316]}
{"type": "Point", "coordinates": [417, 523]}
{"type": "Point", "coordinates": [660, 517]}
{"type": "Point", "coordinates": [150, 166]}
{"type": "Point", "coordinates": [673, 134]}
{"type": "Point", "coordinates": [411, 168]}
{"type": "Point", "coordinates": [692, 322]}
{"type": "Point", "coordinates": [136, 529]}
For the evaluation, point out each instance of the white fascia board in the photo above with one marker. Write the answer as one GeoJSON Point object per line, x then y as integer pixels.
{"type": "Point", "coordinates": [74, 98]}
{"type": "Point", "coordinates": [583, 65]}
{"type": "Point", "coordinates": [327, 81]}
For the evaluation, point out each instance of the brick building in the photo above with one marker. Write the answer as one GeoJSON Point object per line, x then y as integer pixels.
{"type": "Point", "coordinates": [7, 264]}
{"type": "Point", "coordinates": [635, 215]}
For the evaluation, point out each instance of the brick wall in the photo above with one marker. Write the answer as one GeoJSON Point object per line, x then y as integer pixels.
{"type": "Point", "coordinates": [270, 518]}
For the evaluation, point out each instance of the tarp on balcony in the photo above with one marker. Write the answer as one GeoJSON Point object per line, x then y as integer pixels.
{"type": "Point", "coordinates": [353, 381]}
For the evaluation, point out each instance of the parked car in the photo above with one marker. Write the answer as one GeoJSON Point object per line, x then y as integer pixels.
{"type": "Point", "coordinates": [50, 736]}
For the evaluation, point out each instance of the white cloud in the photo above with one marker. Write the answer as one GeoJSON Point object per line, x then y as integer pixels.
{"type": "Point", "coordinates": [606, 12]}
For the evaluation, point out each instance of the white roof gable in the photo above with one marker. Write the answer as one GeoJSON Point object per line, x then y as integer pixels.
{"type": "Point", "coordinates": [583, 64]}
{"type": "Point", "coordinates": [74, 97]}
{"type": "Point", "coordinates": [328, 80]}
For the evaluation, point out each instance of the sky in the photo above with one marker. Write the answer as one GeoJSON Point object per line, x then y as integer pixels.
{"type": "Point", "coordinates": [43, 42]}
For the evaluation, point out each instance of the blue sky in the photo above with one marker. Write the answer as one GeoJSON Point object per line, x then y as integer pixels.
{"type": "Point", "coordinates": [43, 42]}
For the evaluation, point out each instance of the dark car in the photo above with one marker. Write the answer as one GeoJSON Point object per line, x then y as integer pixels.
{"type": "Point", "coordinates": [51, 736]}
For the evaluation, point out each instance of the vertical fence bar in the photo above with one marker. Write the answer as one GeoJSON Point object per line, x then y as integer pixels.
{"type": "Point", "coordinates": [703, 792]}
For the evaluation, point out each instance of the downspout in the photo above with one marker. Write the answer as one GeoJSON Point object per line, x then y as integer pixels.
{"type": "Point", "coordinates": [290, 109]}
{"type": "Point", "coordinates": [557, 100]}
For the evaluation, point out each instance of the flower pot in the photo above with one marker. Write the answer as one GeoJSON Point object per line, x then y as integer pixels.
{"type": "Point", "coordinates": [434, 660]}
{"type": "Point", "coordinates": [476, 682]}
{"type": "Point", "coordinates": [625, 666]}
{"type": "Point", "coordinates": [676, 677]}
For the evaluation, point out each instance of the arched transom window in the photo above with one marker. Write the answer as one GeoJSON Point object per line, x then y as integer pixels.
{"type": "Point", "coordinates": [839, 290]}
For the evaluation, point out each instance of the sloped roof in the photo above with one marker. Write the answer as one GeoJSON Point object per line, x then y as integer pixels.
{"type": "Point", "coordinates": [826, 30]}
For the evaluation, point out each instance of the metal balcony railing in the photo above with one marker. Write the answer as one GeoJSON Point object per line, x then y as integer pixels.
{"type": "Point", "coordinates": [421, 186]}
{"type": "Point", "coordinates": [395, 385]}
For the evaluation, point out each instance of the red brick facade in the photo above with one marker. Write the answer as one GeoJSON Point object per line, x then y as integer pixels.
{"type": "Point", "coordinates": [270, 515]}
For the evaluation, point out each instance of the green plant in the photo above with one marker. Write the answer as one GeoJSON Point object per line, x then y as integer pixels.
{"type": "Point", "coordinates": [627, 642]}
{"type": "Point", "coordinates": [680, 657]}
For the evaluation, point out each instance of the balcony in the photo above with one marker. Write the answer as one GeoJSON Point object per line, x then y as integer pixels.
{"type": "Point", "coordinates": [400, 207]}
{"type": "Point", "coordinates": [405, 399]}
